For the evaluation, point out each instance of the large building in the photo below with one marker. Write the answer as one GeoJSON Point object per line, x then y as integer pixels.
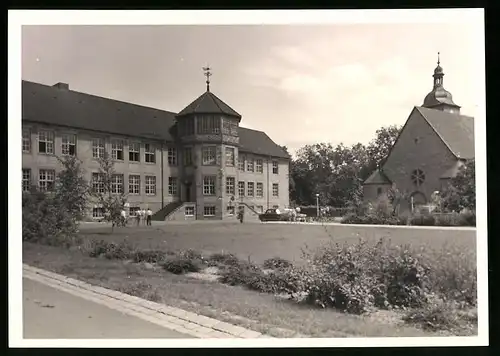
{"type": "Point", "coordinates": [434, 142]}
{"type": "Point", "coordinates": [195, 164]}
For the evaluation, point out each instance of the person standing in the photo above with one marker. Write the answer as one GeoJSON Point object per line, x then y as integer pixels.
{"type": "Point", "coordinates": [149, 215]}
{"type": "Point", "coordinates": [138, 216]}
{"type": "Point", "coordinates": [123, 217]}
{"type": "Point", "coordinates": [143, 216]}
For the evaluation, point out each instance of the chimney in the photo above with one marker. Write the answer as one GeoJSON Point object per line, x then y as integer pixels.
{"type": "Point", "coordinates": [62, 86]}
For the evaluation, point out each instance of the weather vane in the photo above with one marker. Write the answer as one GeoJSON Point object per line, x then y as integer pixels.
{"type": "Point", "coordinates": [208, 74]}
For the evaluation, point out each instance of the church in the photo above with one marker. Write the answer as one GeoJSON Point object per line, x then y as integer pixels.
{"type": "Point", "coordinates": [434, 143]}
{"type": "Point", "coordinates": [195, 164]}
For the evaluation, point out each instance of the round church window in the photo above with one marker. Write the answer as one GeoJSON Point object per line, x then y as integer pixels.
{"type": "Point", "coordinates": [418, 177]}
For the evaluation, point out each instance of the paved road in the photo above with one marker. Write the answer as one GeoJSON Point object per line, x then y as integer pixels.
{"type": "Point", "coordinates": [53, 314]}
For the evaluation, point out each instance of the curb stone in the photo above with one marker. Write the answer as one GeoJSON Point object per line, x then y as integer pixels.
{"type": "Point", "coordinates": [188, 323]}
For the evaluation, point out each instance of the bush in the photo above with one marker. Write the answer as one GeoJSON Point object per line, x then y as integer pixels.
{"type": "Point", "coordinates": [423, 220]}
{"type": "Point", "coordinates": [276, 263]}
{"type": "Point", "coordinates": [374, 219]}
{"type": "Point", "coordinates": [150, 256]}
{"type": "Point", "coordinates": [223, 260]}
{"type": "Point", "coordinates": [181, 264]}
{"type": "Point", "coordinates": [359, 277]}
{"type": "Point", "coordinates": [112, 250]}
{"type": "Point", "coordinates": [439, 314]}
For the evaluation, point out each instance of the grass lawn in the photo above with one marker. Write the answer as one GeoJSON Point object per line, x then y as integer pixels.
{"type": "Point", "coordinates": [261, 312]}
{"type": "Point", "coordinates": [262, 241]}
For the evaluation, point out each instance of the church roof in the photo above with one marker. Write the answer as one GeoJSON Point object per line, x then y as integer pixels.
{"type": "Point", "coordinates": [437, 97]}
{"type": "Point", "coordinates": [63, 107]}
{"type": "Point", "coordinates": [456, 131]}
{"type": "Point", "coordinates": [377, 177]}
{"type": "Point", "coordinates": [208, 103]}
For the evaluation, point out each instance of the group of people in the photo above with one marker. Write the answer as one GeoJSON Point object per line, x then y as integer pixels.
{"type": "Point", "coordinates": [140, 215]}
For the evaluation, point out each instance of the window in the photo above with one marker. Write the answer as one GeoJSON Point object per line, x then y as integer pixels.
{"type": "Point", "coordinates": [117, 183]}
{"type": "Point", "coordinates": [117, 150]}
{"type": "Point", "coordinates": [250, 165]}
{"type": "Point", "coordinates": [188, 156]}
{"type": "Point", "coordinates": [98, 182]}
{"type": "Point", "coordinates": [68, 145]}
{"type": "Point", "coordinates": [26, 179]}
{"type": "Point", "coordinates": [26, 140]}
{"type": "Point", "coordinates": [379, 190]}
{"type": "Point", "coordinates": [250, 189]}
{"type": "Point", "coordinates": [150, 187]}
{"type": "Point", "coordinates": [97, 213]}
{"type": "Point", "coordinates": [241, 163]}
{"type": "Point", "coordinates": [189, 211]}
{"type": "Point", "coordinates": [134, 184]}
{"type": "Point", "coordinates": [208, 125]}
{"type": "Point", "coordinates": [209, 185]}
{"type": "Point", "coordinates": [230, 188]}
{"type": "Point", "coordinates": [230, 210]}
{"type": "Point", "coordinates": [172, 156]}
{"type": "Point", "coordinates": [46, 179]}
{"type": "Point", "coordinates": [259, 166]}
{"type": "Point", "coordinates": [275, 167]}
{"type": "Point", "coordinates": [260, 190]}
{"type": "Point", "coordinates": [172, 185]}
{"type": "Point", "coordinates": [241, 189]}
{"type": "Point", "coordinates": [134, 149]}
{"type": "Point", "coordinates": [98, 148]}
{"type": "Point", "coordinates": [418, 177]}
{"type": "Point", "coordinates": [187, 126]}
{"type": "Point", "coordinates": [149, 153]}
{"type": "Point", "coordinates": [275, 189]}
{"type": "Point", "coordinates": [208, 155]}
{"type": "Point", "coordinates": [226, 126]}
{"type": "Point", "coordinates": [209, 210]}
{"type": "Point", "coordinates": [46, 142]}
{"type": "Point", "coordinates": [230, 156]}
{"type": "Point", "coordinates": [260, 209]}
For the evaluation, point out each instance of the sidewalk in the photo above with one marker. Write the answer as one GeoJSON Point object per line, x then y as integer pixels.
{"type": "Point", "coordinates": [178, 320]}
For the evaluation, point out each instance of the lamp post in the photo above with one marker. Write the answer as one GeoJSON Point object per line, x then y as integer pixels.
{"type": "Point", "coordinates": [317, 205]}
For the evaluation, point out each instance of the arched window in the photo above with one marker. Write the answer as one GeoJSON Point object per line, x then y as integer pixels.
{"type": "Point", "coordinates": [418, 177]}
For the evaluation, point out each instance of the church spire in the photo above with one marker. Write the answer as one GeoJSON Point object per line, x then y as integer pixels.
{"type": "Point", "coordinates": [438, 74]}
{"type": "Point", "coordinates": [439, 98]}
{"type": "Point", "coordinates": [208, 74]}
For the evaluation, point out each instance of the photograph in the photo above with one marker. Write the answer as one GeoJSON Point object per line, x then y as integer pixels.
{"type": "Point", "coordinates": [307, 178]}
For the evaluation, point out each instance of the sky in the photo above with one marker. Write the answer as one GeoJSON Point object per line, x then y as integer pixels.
{"type": "Point", "coordinates": [301, 84]}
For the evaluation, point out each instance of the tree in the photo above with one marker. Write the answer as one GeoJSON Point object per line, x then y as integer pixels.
{"type": "Point", "coordinates": [109, 196]}
{"type": "Point", "coordinates": [72, 190]}
{"type": "Point", "coordinates": [380, 146]}
{"type": "Point", "coordinates": [52, 216]}
{"type": "Point", "coordinates": [461, 192]}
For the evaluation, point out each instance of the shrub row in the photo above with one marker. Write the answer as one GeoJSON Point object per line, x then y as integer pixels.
{"type": "Point", "coordinates": [450, 219]}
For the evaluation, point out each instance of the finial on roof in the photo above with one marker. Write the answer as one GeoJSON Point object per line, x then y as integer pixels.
{"type": "Point", "coordinates": [208, 74]}
{"type": "Point", "coordinates": [438, 59]}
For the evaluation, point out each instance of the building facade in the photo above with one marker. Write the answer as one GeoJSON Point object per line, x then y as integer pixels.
{"type": "Point", "coordinates": [432, 145]}
{"type": "Point", "coordinates": [197, 164]}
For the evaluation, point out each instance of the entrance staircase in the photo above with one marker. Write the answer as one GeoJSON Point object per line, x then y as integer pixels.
{"type": "Point", "coordinates": [161, 214]}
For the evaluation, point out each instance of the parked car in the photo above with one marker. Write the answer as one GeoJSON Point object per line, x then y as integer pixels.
{"type": "Point", "coordinates": [271, 215]}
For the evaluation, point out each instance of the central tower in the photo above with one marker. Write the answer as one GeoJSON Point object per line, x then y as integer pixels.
{"type": "Point", "coordinates": [207, 130]}
{"type": "Point", "coordinates": [439, 98]}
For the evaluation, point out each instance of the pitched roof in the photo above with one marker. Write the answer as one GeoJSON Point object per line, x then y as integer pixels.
{"type": "Point", "coordinates": [258, 142]}
{"type": "Point", "coordinates": [62, 107]}
{"type": "Point", "coordinates": [208, 103]}
{"type": "Point", "coordinates": [456, 131]}
{"type": "Point", "coordinates": [377, 177]}
{"type": "Point", "coordinates": [51, 105]}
